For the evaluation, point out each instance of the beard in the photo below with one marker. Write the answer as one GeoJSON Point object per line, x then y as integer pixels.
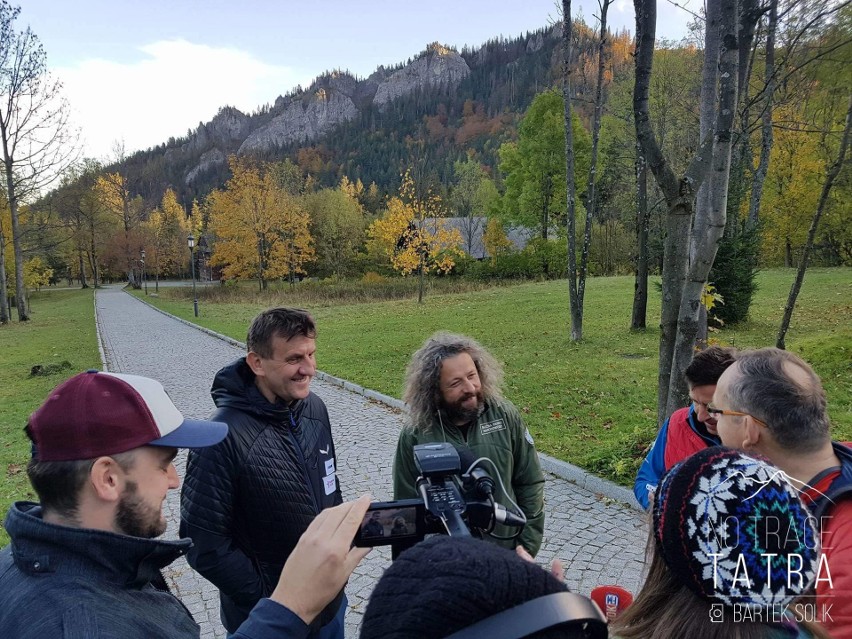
{"type": "Point", "coordinates": [136, 518]}
{"type": "Point", "coordinates": [458, 413]}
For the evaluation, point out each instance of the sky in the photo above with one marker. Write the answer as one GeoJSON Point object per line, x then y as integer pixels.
{"type": "Point", "coordinates": [141, 72]}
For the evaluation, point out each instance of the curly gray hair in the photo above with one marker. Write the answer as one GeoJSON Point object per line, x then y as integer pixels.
{"type": "Point", "coordinates": [422, 377]}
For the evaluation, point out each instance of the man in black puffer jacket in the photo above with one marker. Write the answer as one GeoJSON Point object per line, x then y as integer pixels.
{"type": "Point", "coordinates": [246, 501]}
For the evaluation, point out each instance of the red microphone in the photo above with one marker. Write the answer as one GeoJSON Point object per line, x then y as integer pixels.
{"type": "Point", "coordinates": [612, 600]}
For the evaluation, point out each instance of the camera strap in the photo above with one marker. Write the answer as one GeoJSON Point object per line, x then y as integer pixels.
{"type": "Point", "coordinates": [539, 614]}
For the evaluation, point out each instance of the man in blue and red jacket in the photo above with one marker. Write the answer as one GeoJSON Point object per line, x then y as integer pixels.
{"type": "Point", "coordinates": [689, 429]}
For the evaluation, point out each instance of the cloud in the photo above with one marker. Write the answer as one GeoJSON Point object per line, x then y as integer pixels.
{"type": "Point", "coordinates": [174, 86]}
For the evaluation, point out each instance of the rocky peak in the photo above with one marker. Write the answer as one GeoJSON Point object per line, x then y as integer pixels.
{"type": "Point", "coordinates": [437, 65]}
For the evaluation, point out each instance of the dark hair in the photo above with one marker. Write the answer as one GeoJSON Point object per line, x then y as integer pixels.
{"type": "Point", "coordinates": [707, 366]}
{"type": "Point", "coordinates": [282, 322]}
{"type": "Point", "coordinates": [445, 584]}
{"type": "Point", "coordinates": [58, 483]}
{"type": "Point", "coordinates": [781, 390]}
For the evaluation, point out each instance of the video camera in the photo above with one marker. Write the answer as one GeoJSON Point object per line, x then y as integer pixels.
{"type": "Point", "coordinates": [452, 502]}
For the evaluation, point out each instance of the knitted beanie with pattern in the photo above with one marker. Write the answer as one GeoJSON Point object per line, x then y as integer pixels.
{"type": "Point", "coordinates": [733, 529]}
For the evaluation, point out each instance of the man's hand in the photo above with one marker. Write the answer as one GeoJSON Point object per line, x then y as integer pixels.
{"type": "Point", "coordinates": [556, 568]}
{"type": "Point", "coordinates": [322, 561]}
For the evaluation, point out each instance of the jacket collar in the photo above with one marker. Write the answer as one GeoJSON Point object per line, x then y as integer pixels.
{"type": "Point", "coordinates": [234, 387]}
{"type": "Point", "coordinates": [41, 547]}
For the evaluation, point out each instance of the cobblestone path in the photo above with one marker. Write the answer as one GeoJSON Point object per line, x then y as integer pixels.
{"type": "Point", "coordinates": [598, 540]}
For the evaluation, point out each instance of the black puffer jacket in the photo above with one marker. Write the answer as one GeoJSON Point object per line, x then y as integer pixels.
{"type": "Point", "coordinates": [246, 501]}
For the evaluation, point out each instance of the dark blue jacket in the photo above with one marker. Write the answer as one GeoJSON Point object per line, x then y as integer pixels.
{"type": "Point", "coordinates": [246, 501]}
{"type": "Point", "coordinates": [77, 583]}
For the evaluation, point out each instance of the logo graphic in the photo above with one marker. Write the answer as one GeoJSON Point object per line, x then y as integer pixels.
{"type": "Point", "coordinates": [785, 477]}
{"type": "Point", "coordinates": [611, 605]}
{"type": "Point", "coordinates": [717, 613]}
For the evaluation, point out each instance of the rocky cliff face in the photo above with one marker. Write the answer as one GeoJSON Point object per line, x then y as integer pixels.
{"type": "Point", "coordinates": [213, 157]}
{"type": "Point", "coordinates": [333, 98]}
{"type": "Point", "coordinates": [228, 126]}
{"type": "Point", "coordinates": [328, 103]}
{"type": "Point", "coordinates": [438, 65]}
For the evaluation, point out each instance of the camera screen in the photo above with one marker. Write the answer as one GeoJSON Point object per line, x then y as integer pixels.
{"type": "Point", "coordinates": [395, 523]}
{"type": "Point", "coordinates": [389, 524]}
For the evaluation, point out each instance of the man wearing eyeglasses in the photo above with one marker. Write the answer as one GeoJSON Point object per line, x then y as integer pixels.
{"type": "Point", "coordinates": [246, 501]}
{"type": "Point", "coordinates": [772, 403]}
{"type": "Point", "coordinates": [689, 429]}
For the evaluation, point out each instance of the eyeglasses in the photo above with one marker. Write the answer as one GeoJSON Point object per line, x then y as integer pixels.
{"type": "Point", "coordinates": [734, 413]}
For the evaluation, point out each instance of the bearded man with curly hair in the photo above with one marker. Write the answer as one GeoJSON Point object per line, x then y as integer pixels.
{"type": "Point", "coordinates": [453, 392]}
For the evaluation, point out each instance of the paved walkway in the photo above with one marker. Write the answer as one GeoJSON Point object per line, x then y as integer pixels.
{"type": "Point", "coordinates": [599, 541]}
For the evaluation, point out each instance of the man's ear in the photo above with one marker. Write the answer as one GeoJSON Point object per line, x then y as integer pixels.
{"type": "Point", "coordinates": [752, 433]}
{"type": "Point", "coordinates": [107, 479]}
{"type": "Point", "coordinates": [253, 361]}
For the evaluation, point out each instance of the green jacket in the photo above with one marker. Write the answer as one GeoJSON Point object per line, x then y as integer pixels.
{"type": "Point", "coordinates": [500, 435]}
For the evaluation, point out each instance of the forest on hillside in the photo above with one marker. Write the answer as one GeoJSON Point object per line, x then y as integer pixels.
{"type": "Point", "coordinates": [488, 152]}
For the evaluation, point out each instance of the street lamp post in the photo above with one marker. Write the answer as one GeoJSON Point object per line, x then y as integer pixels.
{"type": "Point", "coordinates": [190, 242]}
{"type": "Point", "coordinates": [143, 272]}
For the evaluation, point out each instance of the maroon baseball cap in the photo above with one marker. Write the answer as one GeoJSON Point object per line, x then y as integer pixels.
{"type": "Point", "coordinates": [98, 413]}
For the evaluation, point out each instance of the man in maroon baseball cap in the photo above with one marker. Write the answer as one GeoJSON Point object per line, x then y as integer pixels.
{"type": "Point", "coordinates": [86, 559]}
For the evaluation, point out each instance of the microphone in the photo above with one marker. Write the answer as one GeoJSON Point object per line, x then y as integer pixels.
{"type": "Point", "coordinates": [477, 480]}
{"type": "Point", "coordinates": [482, 485]}
{"type": "Point", "coordinates": [612, 600]}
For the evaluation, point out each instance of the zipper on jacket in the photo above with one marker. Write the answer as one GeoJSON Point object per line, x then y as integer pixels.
{"type": "Point", "coordinates": [303, 462]}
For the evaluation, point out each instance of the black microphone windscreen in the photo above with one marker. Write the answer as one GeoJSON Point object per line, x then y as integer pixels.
{"type": "Point", "coordinates": [466, 457]}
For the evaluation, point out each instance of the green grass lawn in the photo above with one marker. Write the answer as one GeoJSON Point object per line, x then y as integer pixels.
{"type": "Point", "coordinates": [591, 403]}
{"type": "Point", "coordinates": [61, 329]}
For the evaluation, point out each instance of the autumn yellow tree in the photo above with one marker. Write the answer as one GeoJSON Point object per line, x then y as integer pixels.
{"type": "Point", "coordinates": [113, 193]}
{"type": "Point", "coordinates": [495, 239]}
{"type": "Point", "coordinates": [168, 227]}
{"type": "Point", "coordinates": [260, 230]}
{"type": "Point", "coordinates": [37, 273]}
{"type": "Point", "coordinates": [413, 234]}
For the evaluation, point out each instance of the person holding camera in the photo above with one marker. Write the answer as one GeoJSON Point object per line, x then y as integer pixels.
{"type": "Point", "coordinates": [733, 552]}
{"type": "Point", "coordinates": [86, 561]}
{"type": "Point", "coordinates": [453, 392]}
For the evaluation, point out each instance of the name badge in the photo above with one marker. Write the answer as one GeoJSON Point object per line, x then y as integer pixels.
{"type": "Point", "coordinates": [492, 427]}
{"type": "Point", "coordinates": [329, 466]}
{"type": "Point", "coordinates": [330, 484]}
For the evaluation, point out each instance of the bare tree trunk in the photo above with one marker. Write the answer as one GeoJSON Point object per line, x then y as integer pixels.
{"type": "Point", "coordinates": [766, 139]}
{"type": "Point", "coordinates": [591, 201]}
{"type": "Point", "coordinates": [573, 293]}
{"type": "Point", "coordinates": [806, 252]}
{"type": "Point", "coordinates": [640, 287]}
{"type": "Point", "coordinates": [420, 281]}
{"type": "Point", "coordinates": [5, 311]}
{"type": "Point", "coordinates": [83, 283]}
{"type": "Point", "coordinates": [707, 112]}
{"type": "Point", "coordinates": [20, 290]}
{"type": "Point", "coordinates": [705, 251]}
{"type": "Point", "coordinates": [93, 256]}
{"type": "Point", "coordinates": [678, 193]}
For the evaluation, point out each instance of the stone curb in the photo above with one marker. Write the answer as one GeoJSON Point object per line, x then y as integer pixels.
{"type": "Point", "coordinates": [101, 350]}
{"type": "Point", "coordinates": [576, 475]}
{"type": "Point", "coordinates": [586, 480]}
